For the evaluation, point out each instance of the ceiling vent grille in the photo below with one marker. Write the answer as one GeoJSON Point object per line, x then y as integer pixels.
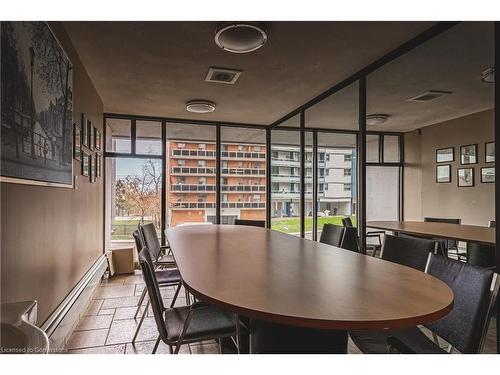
{"type": "Point", "coordinates": [428, 96]}
{"type": "Point", "coordinates": [222, 75]}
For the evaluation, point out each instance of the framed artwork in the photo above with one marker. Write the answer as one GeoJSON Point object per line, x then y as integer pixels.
{"type": "Point", "coordinates": [98, 166]}
{"type": "Point", "coordinates": [443, 173]}
{"type": "Point", "coordinates": [468, 154]}
{"type": "Point", "coordinates": [85, 131]}
{"type": "Point", "coordinates": [91, 136]}
{"type": "Point", "coordinates": [97, 140]}
{"type": "Point", "coordinates": [77, 142]}
{"type": "Point", "coordinates": [489, 152]}
{"type": "Point", "coordinates": [465, 177]}
{"type": "Point", "coordinates": [92, 168]}
{"type": "Point", "coordinates": [37, 107]}
{"type": "Point", "coordinates": [445, 155]}
{"type": "Point", "coordinates": [86, 162]}
{"type": "Point", "coordinates": [488, 175]}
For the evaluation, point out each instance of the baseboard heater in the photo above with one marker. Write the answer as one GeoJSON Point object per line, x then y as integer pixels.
{"type": "Point", "coordinates": [62, 321]}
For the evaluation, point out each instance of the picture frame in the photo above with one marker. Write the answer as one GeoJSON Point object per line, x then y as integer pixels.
{"type": "Point", "coordinates": [91, 136]}
{"type": "Point", "coordinates": [443, 173]}
{"type": "Point", "coordinates": [92, 168]}
{"type": "Point", "coordinates": [468, 154]}
{"type": "Point", "coordinates": [488, 175]}
{"type": "Point", "coordinates": [77, 142]}
{"type": "Point", "coordinates": [489, 152]}
{"type": "Point", "coordinates": [97, 140]}
{"type": "Point", "coordinates": [445, 155]}
{"type": "Point", "coordinates": [98, 165]}
{"type": "Point", "coordinates": [465, 177]}
{"type": "Point", "coordinates": [86, 163]}
{"type": "Point", "coordinates": [85, 131]}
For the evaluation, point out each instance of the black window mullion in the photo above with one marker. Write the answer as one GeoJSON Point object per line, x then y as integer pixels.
{"type": "Point", "coordinates": [268, 178]}
{"type": "Point", "coordinates": [302, 174]}
{"type": "Point", "coordinates": [133, 136]}
{"type": "Point", "coordinates": [163, 213]}
{"type": "Point", "coordinates": [315, 187]}
{"type": "Point", "coordinates": [217, 174]}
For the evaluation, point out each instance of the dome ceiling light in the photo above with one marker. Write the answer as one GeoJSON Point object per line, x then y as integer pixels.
{"type": "Point", "coordinates": [488, 76]}
{"type": "Point", "coordinates": [376, 119]}
{"type": "Point", "coordinates": [200, 106]}
{"type": "Point", "coordinates": [240, 37]}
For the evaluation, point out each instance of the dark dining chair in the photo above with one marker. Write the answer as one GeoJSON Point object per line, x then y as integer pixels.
{"type": "Point", "coordinates": [375, 234]}
{"type": "Point", "coordinates": [161, 254]}
{"type": "Point", "coordinates": [187, 324]}
{"type": "Point", "coordinates": [481, 255]}
{"type": "Point", "coordinates": [408, 251]}
{"type": "Point", "coordinates": [446, 246]}
{"type": "Point", "coordinates": [464, 328]}
{"type": "Point", "coordinates": [252, 223]}
{"type": "Point", "coordinates": [350, 239]}
{"type": "Point", "coordinates": [332, 234]}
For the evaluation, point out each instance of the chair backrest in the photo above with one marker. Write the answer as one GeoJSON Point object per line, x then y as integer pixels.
{"type": "Point", "coordinates": [350, 239]}
{"type": "Point", "coordinates": [347, 222]}
{"type": "Point", "coordinates": [409, 251]}
{"type": "Point", "coordinates": [464, 327]}
{"type": "Point", "coordinates": [480, 255]}
{"type": "Point", "coordinates": [332, 235]}
{"type": "Point", "coordinates": [491, 224]}
{"type": "Point", "coordinates": [153, 289]}
{"type": "Point", "coordinates": [449, 243]}
{"type": "Point", "coordinates": [139, 241]}
{"type": "Point", "coordinates": [151, 240]}
{"type": "Point", "coordinates": [252, 223]}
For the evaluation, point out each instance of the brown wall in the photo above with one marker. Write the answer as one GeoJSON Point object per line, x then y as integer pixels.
{"type": "Point", "coordinates": [474, 205]}
{"type": "Point", "coordinates": [51, 236]}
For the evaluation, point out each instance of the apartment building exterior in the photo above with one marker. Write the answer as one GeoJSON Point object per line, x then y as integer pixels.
{"type": "Point", "coordinates": [192, 188]}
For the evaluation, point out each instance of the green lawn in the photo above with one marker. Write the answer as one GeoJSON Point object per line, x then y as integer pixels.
{"type": "Point", "coordinates": [292, 225]}
{"type": "Point", "coordinates": [122, 229]}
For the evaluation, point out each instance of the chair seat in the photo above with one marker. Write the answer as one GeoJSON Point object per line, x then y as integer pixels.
{"type": "Point", "coordinates": [166, 260]}
{"type": "Point", "coordinates": [376, 342]}
{"type": "Point", "coordinates": [206, 321]}
{"type": "Point", "coordinates": [168, 276]}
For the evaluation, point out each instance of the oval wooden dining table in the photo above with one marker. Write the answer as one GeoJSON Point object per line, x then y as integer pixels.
{"type": "Point", "coordinates": [301, 296]}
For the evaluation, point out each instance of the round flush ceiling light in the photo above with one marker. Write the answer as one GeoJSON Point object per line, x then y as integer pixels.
{"type": "Point", "coordinates": [376, 119]}
{"type": "Point", "coordinates": [240, 37]}
{"type": "Point", "coordinates": [200, 106]}
{"type": "Point", "coordinates": [488, 76]}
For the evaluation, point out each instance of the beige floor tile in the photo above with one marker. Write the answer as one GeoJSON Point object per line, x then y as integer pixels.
{"type": "Point", "coordinates": [113, 303]}
{"type": "Point", "coordinates": [94, 307]}
{"type": "Point", "coordinates": [146, 347]}
{"type": "Point", "coordinates": [126, 313]}
{"type": "Point", "coordinates": [94, 322]}
{"type": "Point", "coordinates": [116, 280]}
{"type": "Point", "coordinates": [205, 348]}
{"type": "Point", "coordinates": [106, 311]}
{"type": "Point", "coordinates": [115, 291]}
{"type": "Point", "coordinates": [122, 331]}
{"type": "Point", "coordinates": [134, 279]}
{"type": "Point", "coordinates": [110, 349]}
{"type": "Point", "coordinates": [87, 339]}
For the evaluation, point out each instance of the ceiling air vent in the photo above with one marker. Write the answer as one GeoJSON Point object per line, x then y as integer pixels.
{"type": "Point", "coordinates": [221, 75]}
{"type": "Point", "coordinates": [428, 96]}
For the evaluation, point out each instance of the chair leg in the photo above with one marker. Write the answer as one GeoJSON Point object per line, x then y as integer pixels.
{"type": "Point", "coordinates": [170, 349]}
{"type": "Point", "coordinates": [140, 322]}
{"type": "Point", "coordinates": [143, 294]}
{"type": "Point", "coordinates": [237, 333]}
{"type": "Point", "coordinates": [219, 341]}
{"type": "Point", "coordinates": [156, 345]}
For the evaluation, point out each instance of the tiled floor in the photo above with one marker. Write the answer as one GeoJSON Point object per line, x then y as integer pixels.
{"type": "Point", "coordinates": [108, 325]}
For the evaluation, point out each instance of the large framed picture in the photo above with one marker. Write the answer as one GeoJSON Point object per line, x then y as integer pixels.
{"type": "Point", "coordinates": [468, 154]}
{"type": "Point", "coordinates": [37, 107]}
{"type": "Point", "coordinates": [445, 155]}
{"type": "Point", "coordinates": [77, 142]}
{"type": "Point", "coordinates": [443, 173]}
{"type": "Point", "coordinates": [465, 177]}
{"type": "Point", "coordinates": [488, 175]}
{"type": "Point", "coordinates": [489, 152]}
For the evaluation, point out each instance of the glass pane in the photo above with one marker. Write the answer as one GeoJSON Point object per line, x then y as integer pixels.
{"type": "Point", "coordinates": [338, 111]}
{"type": "Point", "coordinates": [336, 179]}
{"type": "Point", "coordinates": [118, 135]}
{"type": "Point", "coordinates": [134, 186]}
{"type": "Point", "coordinates": [148, 138]}
{"type": "Point", "coordinates": [372, 149]}
{"type": "Point", "coordinates": [190, 174]}
{"type": "Point", "coordinates": [243, 174]}
{"type": "Point", "coordinates": [391, 149]}
{"type": "Point", "coordinates": [382, 193]}
{"type": "Point", "coordinates": [285, 181]}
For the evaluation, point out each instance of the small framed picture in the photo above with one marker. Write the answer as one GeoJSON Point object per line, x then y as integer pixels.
{"type": "Point", "coordinates": [445, 155]}
{"type": "Point", "coordinates": [85, 131]}
{"type": "Point", "coordinates": [92, 137]}
{"type": "Point", "coordinates": [92, 168]}
{"type": "Point", "coordinates": [86, 163]}
{"type": "Point", "coordinates": [488, 175]}
{"type": "Point", "coordinates": [77, 142]}
{"type": "Point", "coordinates": [468, 154]}
{"type": "Point", "coordinates": [465, 177]}
{"type": "Point", "coordinates": [489, 152]}
{"type": "Point", "coordinates": [97, 139]}
{"type": "Point", "coordinates": [98, 161]}
{"type": "Point", "coordinates": [443, 173]}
